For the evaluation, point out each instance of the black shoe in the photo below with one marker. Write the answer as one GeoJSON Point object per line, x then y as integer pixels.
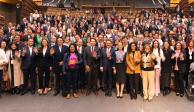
{"type": "Point", "coordinates": [56, 93]}
{"type": "Point", "coordinates": [17, 91]}
{"type": "Point", "coordinates": [181, 95]}
{"type": "Point", "coordinates": [109, 94]}
{"type": "Point", "coordinates": [177, 94]}
{"type": "Point", "coordinates": [24, 92]}
{"type": "Point", "coordinates": [131, 96]}
{"type": "Point", "coordinates": [0, 96]}
{"type": "Point", "coordinates": [106, 94]}
{"type": "Point", "coordinates": [33, 92]}
{"type": "Point", "coordinates": [88, 93]}
{"type": "Point", "coordinates": [167, 91]}
{"type": "Point", "coordinates": [121, 97]}
{"type": "Point", "coordinates": [164, 93]}
{"type": "Point", "coordinates": [141, 94]}
{"type": "Point", "coordinates": [96, 93]}
{"type": "Point", "coordinates": [12, 91]}
{"type": "Point", "coordinates": [135, 96]}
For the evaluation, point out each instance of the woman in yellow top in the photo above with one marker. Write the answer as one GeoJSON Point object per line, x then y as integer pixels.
{"type": "Point", "coordinates": [133, 59]}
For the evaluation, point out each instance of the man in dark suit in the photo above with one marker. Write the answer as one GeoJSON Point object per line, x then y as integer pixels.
{"type": "Point", "coordinates": [91, 62]}
{"type": "Point", "coordinates": [23, 24]}
{"type": "Point", "coordinates": [29, 54]}
{"type": "Point", "coordinates": [58, 52]}
{"type": "Point", "coordinates": [107, 65]}
{"type": "Point", "coordinates": [82, 76]}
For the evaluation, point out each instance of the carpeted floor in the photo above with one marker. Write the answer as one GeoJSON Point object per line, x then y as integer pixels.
{"type": "Point", "coordinates": [49, 103]}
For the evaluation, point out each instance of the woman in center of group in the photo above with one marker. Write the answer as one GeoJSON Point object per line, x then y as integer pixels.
{"type": "Point", "coordinates": [148, 63]}
{"type": "Point", "coordinates": [71, 62]}
{"type": "Point", "coordinates": [133, 59]}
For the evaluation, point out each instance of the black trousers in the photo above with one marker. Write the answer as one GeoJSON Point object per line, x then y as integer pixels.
{"type": "Point", "coordinates": [1, 79]}
{"type": "Point", "coordinates": [58, 81]}
{"type": "Point", "coordinates": [186, 75]}
{"type": "Point", "coordinates": [72, 81]}
{"type": "Point", "coordinates": [165, 80]}
{"type": "Point", "coordinates": [179, 82]}
{"type": "Point", "coordinates": [127, 84]}
{"type": "Point", "coordinates": [44, 80]}
{"type": "Point", "coordinates": [92, 78]}
{"type": "Point", "coordinates": [29, 74]}
{"type": "Point", "coordinates": [81, 78]}
{"type": "Point", "coordinates": [134, 83]}
{"type": "Point", "coordinates": [108, 79]}
{"type": "Point", "coordinates": [140, 89]}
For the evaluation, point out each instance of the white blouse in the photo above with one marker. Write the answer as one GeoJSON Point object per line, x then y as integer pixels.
{"type": "Point", "coordinates": [159, 57]}
{"type": "Point", "coordinates": [3, 58]}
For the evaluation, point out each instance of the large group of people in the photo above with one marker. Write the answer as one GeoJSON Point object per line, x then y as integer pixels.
{"type": "Point", "coordinates": [136, 53]}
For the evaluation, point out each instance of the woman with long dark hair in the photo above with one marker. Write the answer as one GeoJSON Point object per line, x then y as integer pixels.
{"type": "Point", "coordinates": [158, 52]}
{"type": "Point", "coordinates": [15, 74]}
{"type": "Point", "coordinates": [71, 62]}
{"type": "Point", "coordinates": [133, 59]}
{"type": "Point", "coordinates": [44, 66]}
{"type": "Point", "coordinates": [179, 64]}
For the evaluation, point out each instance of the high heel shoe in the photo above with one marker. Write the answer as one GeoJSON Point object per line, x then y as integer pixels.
{"type": "Point", "coordinates": [75, 95]}
{"type": "Point", "coordinates": [121, 96]}
{"type": "Point", "coordinates": [40, 91]}
{"type": "Point", "coordinates": [45, 91]}
{"type": "Point", "coordinates": [118, 96]}
{"type": "Point", "coordinates": [68, 96]}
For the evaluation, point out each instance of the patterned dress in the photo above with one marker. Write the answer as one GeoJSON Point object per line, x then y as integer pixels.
{"type": "Point", "coordinates": [120, 67]}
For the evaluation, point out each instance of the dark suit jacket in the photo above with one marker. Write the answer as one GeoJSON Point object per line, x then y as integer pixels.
{"type": "Point", "coordinates": [89, 60]}
{"type": "Point", "coordinates": [167, 64]}
{"type": "Point", "coordinates": [44, 61]}
{"type": "Point", "coordinates": [28, 62]}
{"type": "Point", "coordinates": [182, 64]}
{"type": "Point", "coordinates": [22, 26]}
{"type": "Point", "coordinates": [58, 57]}
{"type": "Point", "coordinates": [104, 61]}
{"type": "Point", "coordinates": [188, 60]}
{"type": "Point", "coordinates": [82, 56]}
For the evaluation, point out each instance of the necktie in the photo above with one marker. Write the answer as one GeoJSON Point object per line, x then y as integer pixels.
{"type": "Point", "coordinates": [139, 45]}
{"type": "Point", "coordinates": [78, 49]}
{"type": "Point", "coordinates": [92, 48]}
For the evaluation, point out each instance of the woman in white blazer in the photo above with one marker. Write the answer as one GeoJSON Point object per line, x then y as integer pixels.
{"type": "Point", "coordinates": [3, 62]}
{"type": "Point", "coordinates": [158, 52]}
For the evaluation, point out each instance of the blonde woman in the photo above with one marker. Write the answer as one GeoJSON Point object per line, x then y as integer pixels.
{"type": "Point", "coordinates": [148, 63]}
